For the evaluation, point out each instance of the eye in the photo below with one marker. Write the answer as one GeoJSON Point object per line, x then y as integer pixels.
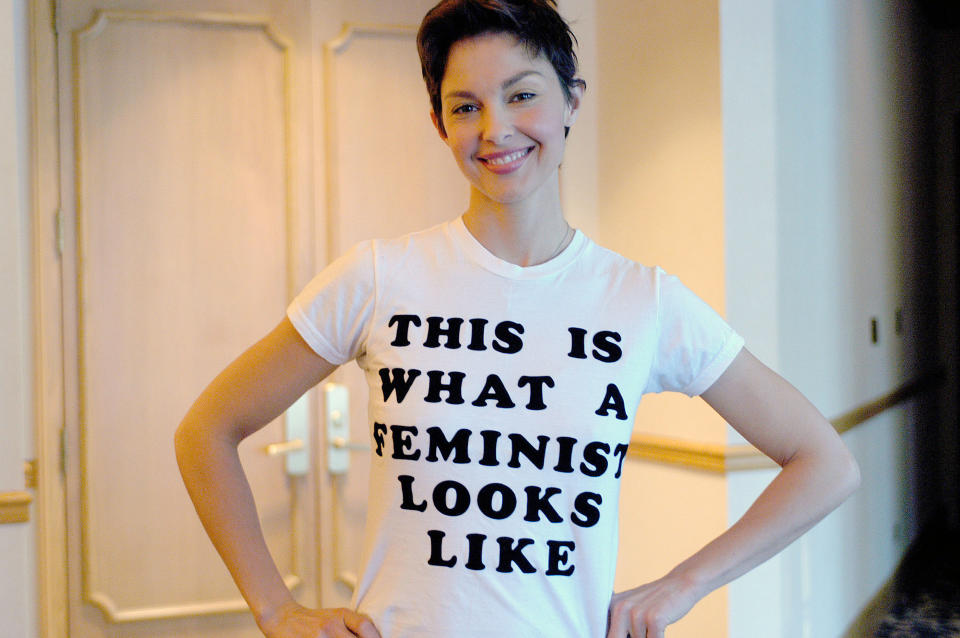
{"type": "Point", "coordinates": [522, 96]}
{"type": "Point", "coordinates": [463, 109]}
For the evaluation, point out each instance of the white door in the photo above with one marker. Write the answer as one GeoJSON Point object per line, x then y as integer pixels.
{"type": "Point", "coordinates": [187, 221]}
{"type": "Point", "coordinates": [385, 172]}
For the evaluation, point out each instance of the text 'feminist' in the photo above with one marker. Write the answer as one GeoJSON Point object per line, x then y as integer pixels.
{"type": "Point", "coordinates": [490, 448]}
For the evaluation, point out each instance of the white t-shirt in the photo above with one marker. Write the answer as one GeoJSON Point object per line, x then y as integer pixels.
{"type": "Point", "coordinates": [501, 406]}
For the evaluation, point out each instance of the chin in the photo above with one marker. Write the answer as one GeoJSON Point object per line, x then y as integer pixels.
{"type": "Point", "coordinates": [505, 198]}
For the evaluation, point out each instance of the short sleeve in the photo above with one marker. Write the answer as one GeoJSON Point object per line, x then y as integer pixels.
{"type": "Point", "coordinates": [333, 312]}
{"type": "Point", "coordinates": [694, 344]}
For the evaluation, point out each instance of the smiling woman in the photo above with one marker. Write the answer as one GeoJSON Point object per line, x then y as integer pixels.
{"type": "Point", "coordinates": [504, 115]}
{"type": "Point", "coordinates": [471, 545]}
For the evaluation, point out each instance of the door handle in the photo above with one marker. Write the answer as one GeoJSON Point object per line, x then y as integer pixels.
{"type": "Point", "coordinates": [296, 429]}
{"type": "Point", "coordinates": [339, 444]}
{"type": "Point", "coordinates": [342, 444]}
{"type": "Point", "coordinates": [284, 447]}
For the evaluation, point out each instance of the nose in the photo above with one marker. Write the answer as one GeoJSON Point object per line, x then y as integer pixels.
{"type": "Point", "coordinates": [497, 125]}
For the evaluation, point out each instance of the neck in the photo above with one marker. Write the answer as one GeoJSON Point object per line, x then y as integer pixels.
{"type": "Point", "coordinates": [525, 234]}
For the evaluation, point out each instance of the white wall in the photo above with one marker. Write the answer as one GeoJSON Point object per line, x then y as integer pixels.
{"type": "Point", "coordinates": [17, 587]}
{"type": "Point", "coordinates": [818, 134]}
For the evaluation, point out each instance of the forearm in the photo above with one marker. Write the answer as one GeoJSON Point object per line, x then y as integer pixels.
{"type": "Point", "coordinates": [817, 474]}
{"type": "Point", "coordinates": [806, 489]}
{"type": "Point", "coordinates": [215, 480]}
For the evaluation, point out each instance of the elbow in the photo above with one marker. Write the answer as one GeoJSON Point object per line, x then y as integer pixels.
{"type": "Point", "coordinates": [190, 442]}
{"type": "Point", "coordinates": [199, 440]}
{"type": "Point", "coordinates": [834, 471]}
{"type": "Point", "coordinates": [183, 443]}
{"type": "Point", "coordinates": [852, 474]}
{"type": "Point", "coordinates": [847, 475]}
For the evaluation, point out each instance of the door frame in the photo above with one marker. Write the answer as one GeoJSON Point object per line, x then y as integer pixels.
{"type": "Point", "coordinates": [53, 448]}
{"type": "Point", "coordinates": [48, 362]}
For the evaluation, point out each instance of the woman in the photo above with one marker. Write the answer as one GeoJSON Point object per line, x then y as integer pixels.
{"type": "Point", "coordinates": [506, 354]}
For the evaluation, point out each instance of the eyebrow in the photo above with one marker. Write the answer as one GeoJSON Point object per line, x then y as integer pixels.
{"type": "Point", "coordinates": [506, 83]}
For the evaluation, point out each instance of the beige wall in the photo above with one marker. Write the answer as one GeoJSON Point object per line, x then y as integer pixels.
{"type": "Point", "coordinates": [660, 167]}
{"type": "Point", "coordinates": [17, 607]}
{"type": "Point", "coordinates": [578, 181]}
{"type": "Point", "coordinates": [660, 202]}
{"type": "Point", "coordinates": [666, 514]}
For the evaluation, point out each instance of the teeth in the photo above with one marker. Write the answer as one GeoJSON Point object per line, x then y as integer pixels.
{"type": "Point", "coordinates": [506, 159]}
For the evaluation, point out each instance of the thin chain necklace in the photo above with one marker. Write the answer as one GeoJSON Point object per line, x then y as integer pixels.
{"type": "Point", "coordinates": [563, 240]}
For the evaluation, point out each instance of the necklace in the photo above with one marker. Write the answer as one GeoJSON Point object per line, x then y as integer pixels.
{"type": "Point", "coordinates": [563, 241]}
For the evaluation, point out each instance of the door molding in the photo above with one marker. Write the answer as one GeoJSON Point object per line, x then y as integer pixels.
{"type": "Point", "coordinates": [116, 615]}
{"type": "Point", "coordinates": [48, 399]}
{"type": "Point", "coordinates": [331, 50]}
{"type": "Point", "coordinates": [49, 155]}
{"type": "Point", "coordinates": [92, 591]}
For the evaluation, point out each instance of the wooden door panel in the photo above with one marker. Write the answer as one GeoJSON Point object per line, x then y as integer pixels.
{"type": "Point", "coordinates": [187, 249]}
{"type": "Point", "coordinates": [391, 173]}
{"type": "Point", "coordinates": [186, 164]}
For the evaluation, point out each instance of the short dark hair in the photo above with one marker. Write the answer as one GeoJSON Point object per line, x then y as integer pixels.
{"type": "Point", "coordinates": [535, 24]}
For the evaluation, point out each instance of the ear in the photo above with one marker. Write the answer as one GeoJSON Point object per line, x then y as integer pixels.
{"type": "Point", "coordinates": [436, 125]}
{"type": "Point", "coordinates": [573, 105]}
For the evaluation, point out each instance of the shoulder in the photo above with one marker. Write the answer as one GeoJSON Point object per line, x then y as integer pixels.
{"type": "Point", "coordinates": [368, 258]}
{"type": "Point", "coordinates": [622, 270]}
{"type": "Point", "coordinates": [410, 245]}
{"type": "Point", "coordinates": [617, 271]}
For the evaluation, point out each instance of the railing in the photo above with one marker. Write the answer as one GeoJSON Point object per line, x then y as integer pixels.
{"type": "Point", "coordinates": [720, 458]}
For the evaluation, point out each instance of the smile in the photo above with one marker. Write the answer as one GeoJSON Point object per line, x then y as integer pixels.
{"type": "Point", "coordinates": [505, 162]}
{"type": "Point", "coordinates": [506, 159]}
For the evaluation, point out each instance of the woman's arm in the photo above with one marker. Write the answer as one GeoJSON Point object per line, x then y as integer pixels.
{"type": "Point", "coordinates": [252, 391]}
{"type": "Point", "coordinates": [818, 473]}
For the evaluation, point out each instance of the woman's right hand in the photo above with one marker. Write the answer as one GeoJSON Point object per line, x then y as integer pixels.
{"type": "Point", "coordinates": [292, 620]}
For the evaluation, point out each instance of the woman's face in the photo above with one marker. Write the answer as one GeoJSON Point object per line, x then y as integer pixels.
{"type": "Point", "coordinates": [504, 114]}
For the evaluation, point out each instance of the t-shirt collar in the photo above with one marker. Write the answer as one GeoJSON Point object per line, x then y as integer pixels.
{"type": "Point", "coordinates": [477, 253]}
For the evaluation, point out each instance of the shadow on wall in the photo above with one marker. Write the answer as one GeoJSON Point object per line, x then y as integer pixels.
{"type": "Point", "coordinates": [935, 471]}
{"type": "Point", "coordinates": [925, 588]}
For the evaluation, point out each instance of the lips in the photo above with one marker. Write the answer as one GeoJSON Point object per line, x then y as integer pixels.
{"type": "Point", "coordinates": [505, 161]}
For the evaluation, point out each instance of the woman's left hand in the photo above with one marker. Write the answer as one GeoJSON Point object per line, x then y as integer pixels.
{"type": "Point", "coordinates": [645, 611]}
